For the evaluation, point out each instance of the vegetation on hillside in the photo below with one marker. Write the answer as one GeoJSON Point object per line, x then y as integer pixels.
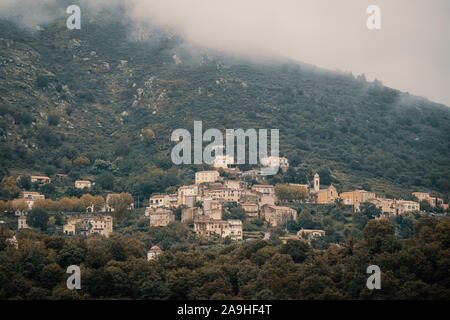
{"type": "Point", "coordinates": [95, 104]}
{"type": "Point", "coordinates": [415, 268]}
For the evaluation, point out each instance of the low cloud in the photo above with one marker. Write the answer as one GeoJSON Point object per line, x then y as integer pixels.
{"type": "Point", "coordinates": [410, 52]}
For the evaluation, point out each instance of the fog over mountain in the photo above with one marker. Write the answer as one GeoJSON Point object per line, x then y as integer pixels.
{"type": "Point", "coordinates": [409, 53]}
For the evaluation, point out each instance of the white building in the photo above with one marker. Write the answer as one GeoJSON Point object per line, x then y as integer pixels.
{"type": "Point", "coordinates": [22, 223]}
{"type": "Point", "coordinates": [153, 253]}
{"type": "Point", "coordinates": [30, 197]}
{"type": "Point", "coordinates": [223, 161]}
{"type": "Point", "coordinates": [159, 201]}
{"type": "Point", "coordinates": [186, 194]}
{"type": "Point", "coordinates": [81, 184]}
{"type": "Point", "coordinates": [273, 161]}
{"type": "Point", "coordinates": [206, 176]}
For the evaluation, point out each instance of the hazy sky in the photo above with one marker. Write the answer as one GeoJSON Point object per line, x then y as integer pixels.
{"type": "Point", "coordinates": [411, 52]}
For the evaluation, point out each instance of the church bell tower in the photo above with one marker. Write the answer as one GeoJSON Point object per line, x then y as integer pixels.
{"type": "Point", "coordinates": [316, 182]}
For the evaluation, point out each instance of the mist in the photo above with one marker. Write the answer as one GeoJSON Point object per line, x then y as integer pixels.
{"type": "Point", "coordinates": [411, 51]}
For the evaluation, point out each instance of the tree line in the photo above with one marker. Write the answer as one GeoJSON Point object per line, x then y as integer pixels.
{"type": "Point", "coordinates": [414, 268]}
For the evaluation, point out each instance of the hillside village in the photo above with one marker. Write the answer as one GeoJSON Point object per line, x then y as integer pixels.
{"type": "Point", "coordinates": [86, 177]}
{"type": "Point", "coordinates": [204, 204]}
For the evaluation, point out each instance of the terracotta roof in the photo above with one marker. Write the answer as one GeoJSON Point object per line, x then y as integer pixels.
{"type": "Point", "coordinates": [155, 249]}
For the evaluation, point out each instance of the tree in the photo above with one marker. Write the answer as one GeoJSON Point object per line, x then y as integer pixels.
{"type": "Point", "coordinates": [66, 204]}
{"type": "Point", "coordinates": [292, 226]}
{"type": "Point", "coordinates": [5, 234]}
{"type": "Point", "coordinates": [25, 182]}
{"type": "Point", "coordinates": [106, 181]}
{"type": "Point", "coordinates": [19, 205]}
{"type": "Point", "coordinates": [147, 136]}
{"type": "Point", "coordinates": [99, 202]}
{"type": "Point", "coordinates": [50, 276]}
{"type": "Point", "coordinates": [368, 211]}
{"type": "Point", "coordinates": [151, 290]}
{"type": "Point", "coordinates": [45, 204]}
{"type": "Point", "coordinates": [10, 186]}
{"type": "Point", "coordinates": [404, 226]}
{"type": "Point", "coordinates": [325, 176]}
{"type": "Point", "coordinates": [3, 207]}
{"type": "Point", "coordinates": [53, 119]}
{"type": "Point", "coordinates": [38, 218]}
{"type": "Point", "coordinates": [290, 193]}
{"type": "Point", "coordinates": [121, 205]}
{"type": "Point", "coordinates": [305, 220]}
{"type": "Point", "coordinates": [236, 213]}
{"type": "Point", "coordinates": [425, 206]}
{"type": "Point", "coordinates": [379, 236]}
{"type": "Point", "coordinates": [48, 190]}
{"type": "Point", "coordinates": [424, 228]}
{"type": "Point", "coordinates": [297, 249]}
{"type": "Point", "coordinates": [123, 146]}
{"type": "Point", "coordinates": [81, 161]}
{"type": "Point", "coordinates": [87, 200]}
{"type": "Point", "coordinates": [70, 255]}
{"type": "Point", "coordinates": [66, 163]}
{"type": "Point", "coordinates": [118, 250]}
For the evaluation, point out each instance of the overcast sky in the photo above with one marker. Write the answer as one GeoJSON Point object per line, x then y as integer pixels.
{"type": "Point", "coordinates": [411, 52]}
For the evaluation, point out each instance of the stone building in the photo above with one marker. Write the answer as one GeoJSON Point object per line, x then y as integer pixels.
{"type": "Point", "coordinates": [277, 215]}
{"type": "Point", "coordinates": [206, 176]}
{"type": "Point", "coordinates": [89, 225]}
{"type": "Point", "coordinates": [160, 217]}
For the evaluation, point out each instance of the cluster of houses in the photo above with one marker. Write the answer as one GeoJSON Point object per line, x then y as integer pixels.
{"type": "Point", "coordinates": [30, 197]}
{"type": "Point", "coordinates": [389, 207]}
{"type": "Point", "coordinates": [227, 163]}
{"type": "Point", "coordinates": [81, 225]}
{"type": "Point", "coordinates": [202, 203]}
{"type": "Point", "coordinates": [79, 184]}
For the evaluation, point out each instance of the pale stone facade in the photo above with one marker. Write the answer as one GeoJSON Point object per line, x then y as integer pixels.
{"type": "Point", "coordinates": [309, 234]}
{"type": "Point", "coordinates": [206, 176]}
{"type": "Point", "coordinates": [251, 209]}
{"type": "Point", "coordinates": [22, 223]}
{"type": "Point", "coordinates": [273, 161]}
{"type": "Point", "coordinates": [89, 225]}
{"type": "Point", "coordinates": [187, 193]}
{"type": "Point", "coordinates": [160, 217]}
{"type": "Point", "coordinates": [277, 215]}
{"type": "Point", "coordinates": [212, 209]}
{"type": "Point", "coordinates": [159, 201]}
{"type": "Point", "coordinates": [30, 197]}
{"type": "Point", "coordinates": [327, 196]}
{"type": "Point", "coordinates": [81, 184]}
{"type": "Point", "coordinates": [222, 228]}
{"type": "Point", "coordinates": [40, 179]}
{"type": "Point", "coordinates": [153, 253]}
{"type": "Point", "coordinates": [222, 161]}
{"type": "Point", "coordinates": [189, 214]}
{"type": "Point", "coordinates": [264, 189]}
{"type": "Point", "coordinates": [356, 197]}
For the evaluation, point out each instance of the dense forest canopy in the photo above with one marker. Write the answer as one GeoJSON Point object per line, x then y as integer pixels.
{"type": "Point", "coordinates": [415, 268]}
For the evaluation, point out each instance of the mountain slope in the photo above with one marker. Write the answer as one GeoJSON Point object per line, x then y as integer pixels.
{"type": "Point", "coordinates": [66, 94]}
